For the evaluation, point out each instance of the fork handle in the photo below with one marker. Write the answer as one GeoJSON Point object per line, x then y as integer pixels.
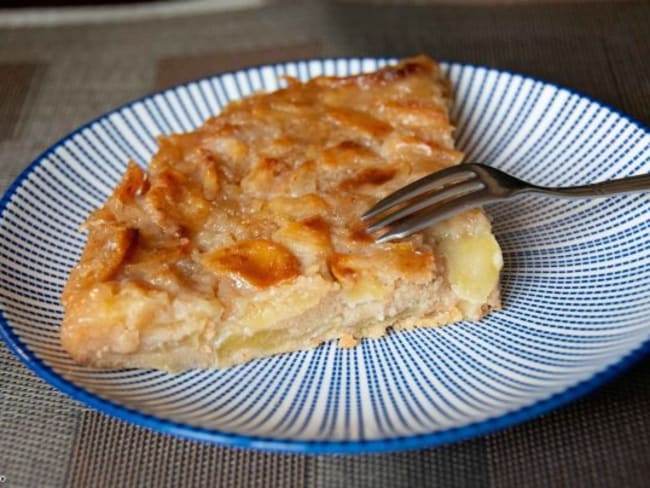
{"type": "Point", "coordinates": [622, 185]}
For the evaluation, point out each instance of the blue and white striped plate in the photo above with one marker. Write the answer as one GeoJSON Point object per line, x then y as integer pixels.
{"type": "Point", "coordinates": [576, 282]}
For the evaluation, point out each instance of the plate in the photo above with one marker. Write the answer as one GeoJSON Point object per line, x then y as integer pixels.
{"type": "Point", "coordinates": [576, 281]}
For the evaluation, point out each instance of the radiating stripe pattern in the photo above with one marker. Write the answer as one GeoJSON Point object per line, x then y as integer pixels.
{"type": "Point", "coordinates": [576, 282]}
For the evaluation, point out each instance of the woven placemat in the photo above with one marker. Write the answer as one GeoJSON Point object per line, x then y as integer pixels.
{"type": "Point", "coordinates": [52, 79]}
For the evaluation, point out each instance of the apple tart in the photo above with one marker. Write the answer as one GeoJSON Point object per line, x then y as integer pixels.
{"type": "Point", "coordinates": [243, 238]}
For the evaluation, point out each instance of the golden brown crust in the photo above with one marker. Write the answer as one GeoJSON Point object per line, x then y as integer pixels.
{"type": "Point", "coordinates": [259, 262]}
{"type": "Point", "coordinates": [261, 204]}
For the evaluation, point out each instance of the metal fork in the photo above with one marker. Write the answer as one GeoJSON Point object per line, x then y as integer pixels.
{"type": "Point", "coordinates": [443, 194]}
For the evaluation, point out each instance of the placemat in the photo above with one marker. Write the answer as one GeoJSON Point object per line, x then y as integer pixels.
{"type": "Point", "coordinates": [54, 78]}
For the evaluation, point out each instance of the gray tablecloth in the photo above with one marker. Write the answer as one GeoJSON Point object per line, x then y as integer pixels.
{"type": "Point", "coordinates": [54, 78]}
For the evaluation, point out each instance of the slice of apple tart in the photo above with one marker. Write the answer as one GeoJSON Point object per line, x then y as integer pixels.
{"type": "Point", "coordinates": [243, 238]}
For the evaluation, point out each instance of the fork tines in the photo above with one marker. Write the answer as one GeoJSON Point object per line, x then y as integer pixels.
{"type": "Point", "coordinates": [426, 201]}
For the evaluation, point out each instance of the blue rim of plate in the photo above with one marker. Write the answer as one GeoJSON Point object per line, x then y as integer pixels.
{"type": "Point", "coordinates": [177, 429]}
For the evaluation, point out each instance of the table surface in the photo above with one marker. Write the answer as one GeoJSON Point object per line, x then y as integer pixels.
{"type": "Point", "coordinates": [56, 76]}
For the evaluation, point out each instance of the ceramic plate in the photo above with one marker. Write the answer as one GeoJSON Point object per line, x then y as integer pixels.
{"type": "Point", "coordinates": [576, 281]}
